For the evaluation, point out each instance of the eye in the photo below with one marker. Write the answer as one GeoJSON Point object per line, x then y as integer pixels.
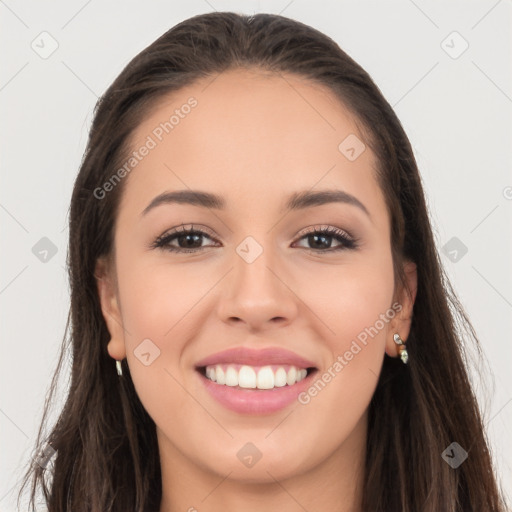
{"type": "Point", "coordinates": [321, 239]}
{"type": "Point", "coordinates": [188, 240]}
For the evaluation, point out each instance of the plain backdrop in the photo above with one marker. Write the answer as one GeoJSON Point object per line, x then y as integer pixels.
{"type": "Point", "coordinates": [444, 66]}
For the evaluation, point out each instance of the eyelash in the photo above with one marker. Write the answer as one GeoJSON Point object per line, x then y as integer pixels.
{"type": "Point", "coordinates": [347, 241]}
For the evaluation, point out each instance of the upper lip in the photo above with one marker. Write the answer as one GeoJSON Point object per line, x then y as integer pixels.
{"type": "Point", "coordinates": [256, 357]}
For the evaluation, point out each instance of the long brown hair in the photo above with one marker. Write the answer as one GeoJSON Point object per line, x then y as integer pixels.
{"type": "Point", "coordinates": [106, 447]}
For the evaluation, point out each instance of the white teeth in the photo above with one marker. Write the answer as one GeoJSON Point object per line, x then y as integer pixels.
{"type": "Point", "coordinates": [231, 377]}
{"type": "Point", "coordinates": [265, 378]}
{"type": "Point", "coordinates": [248, 377]}
{"type": "Point", "coordinates": [210, 373]}
{"type": "Point", "coordinates": [290, 378]}
{"type": "Point", "coordinates": [219, 373]}
{"type": "Point", "coordinates": [280, 378]}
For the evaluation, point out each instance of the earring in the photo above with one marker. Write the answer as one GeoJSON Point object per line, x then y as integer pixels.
{"type": "Point", "coordinates": [402, 351]}
{"type": "Point", "coordinates": [119, 368]}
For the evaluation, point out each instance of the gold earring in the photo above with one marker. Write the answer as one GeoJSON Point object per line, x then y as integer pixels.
{"type": "Point", "coordinates": [402, 351]}
{"type": "Point", "coordinates": [119, 368]}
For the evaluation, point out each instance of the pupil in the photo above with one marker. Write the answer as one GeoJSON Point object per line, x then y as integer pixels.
{"type": "Point", "coordinates": [316, 237]}
{"type": "Point", "coordinates": [188, 237]}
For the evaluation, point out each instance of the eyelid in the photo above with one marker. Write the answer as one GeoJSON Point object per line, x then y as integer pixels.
{"type": "Point", "coordinates": [185, 228]}
{"type": "Point", "coordinates": [326, 227]}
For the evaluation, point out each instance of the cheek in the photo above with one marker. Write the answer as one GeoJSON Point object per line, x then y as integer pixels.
{"type": "Point", "coordinates": [356, 306]}
{"type": "Point", "coordinates": [359, 314]}
{"type": "Point", "coordinates": [156, 298]}
{"type": "Point", "coordinates": [351, 299]}
{"type": "Point", "coordinates": [367, 296]}
{"type": "Point", "coordinates": [159, 310]}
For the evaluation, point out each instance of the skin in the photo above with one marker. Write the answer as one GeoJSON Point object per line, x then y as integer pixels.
{"type": "Point", "coordinates": [254, 138]}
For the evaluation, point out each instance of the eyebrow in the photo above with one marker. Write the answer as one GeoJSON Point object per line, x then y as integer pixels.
{"type": "Point", "coordinates": [296, 201]}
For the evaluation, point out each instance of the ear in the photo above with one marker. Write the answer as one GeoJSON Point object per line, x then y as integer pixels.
{"type": "Point", "coordinates": [405, 297]}
{"type": "Point", "coordinates": [107, 291]}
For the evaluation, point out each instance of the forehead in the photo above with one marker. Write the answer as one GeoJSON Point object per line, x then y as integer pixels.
{"type": "Point", "coordinates": [249, 134]}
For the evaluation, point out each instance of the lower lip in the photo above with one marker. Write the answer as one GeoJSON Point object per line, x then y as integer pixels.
{"type": "Point", "coordinates": [255, 401]}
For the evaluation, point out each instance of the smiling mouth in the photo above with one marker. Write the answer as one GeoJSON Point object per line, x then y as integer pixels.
{"type": "Point", "coordinates": [255, 378]}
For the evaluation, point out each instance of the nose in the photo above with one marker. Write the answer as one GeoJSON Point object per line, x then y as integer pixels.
{"type": "Point", "coordinates": [258, 294]}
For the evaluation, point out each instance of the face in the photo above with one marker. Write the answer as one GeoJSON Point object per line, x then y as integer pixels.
{"type": "Point", "coordinates": [315, 280]}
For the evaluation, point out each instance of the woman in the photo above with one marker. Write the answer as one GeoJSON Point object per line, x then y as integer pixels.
{"type": "Point", "coordinates": [249, 241]}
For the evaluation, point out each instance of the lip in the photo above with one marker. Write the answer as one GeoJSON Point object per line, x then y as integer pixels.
{"type": "Point", "coordinates": [256, 357]}
{"type": "Point", "coordinates": [256, 401]}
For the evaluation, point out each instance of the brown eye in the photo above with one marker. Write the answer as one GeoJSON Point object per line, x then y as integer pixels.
{"type": "Point", "coordinates": [188, 240]}
{"type": "Point", "coordinates": [320, 240]}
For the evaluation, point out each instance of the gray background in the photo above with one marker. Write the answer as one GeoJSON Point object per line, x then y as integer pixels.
{"type": "Point", "coordinates": [455, 108]}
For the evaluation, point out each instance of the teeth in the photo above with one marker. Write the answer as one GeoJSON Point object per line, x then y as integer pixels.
{"type": "Point", "coordinates": [210, 373]}
{"type": "Point", "coordinates": [231, 377]}
{"type": "Point", "coordinates": [246, 377]}
{"type": "Point", "coordinates": [292, 376]}
{"type": "Point", "coordinates": [264, 377]}
{"type": "Point", "coordinates": [220, 375]}
{"type": "Point", "coordinates": [280, 378]}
